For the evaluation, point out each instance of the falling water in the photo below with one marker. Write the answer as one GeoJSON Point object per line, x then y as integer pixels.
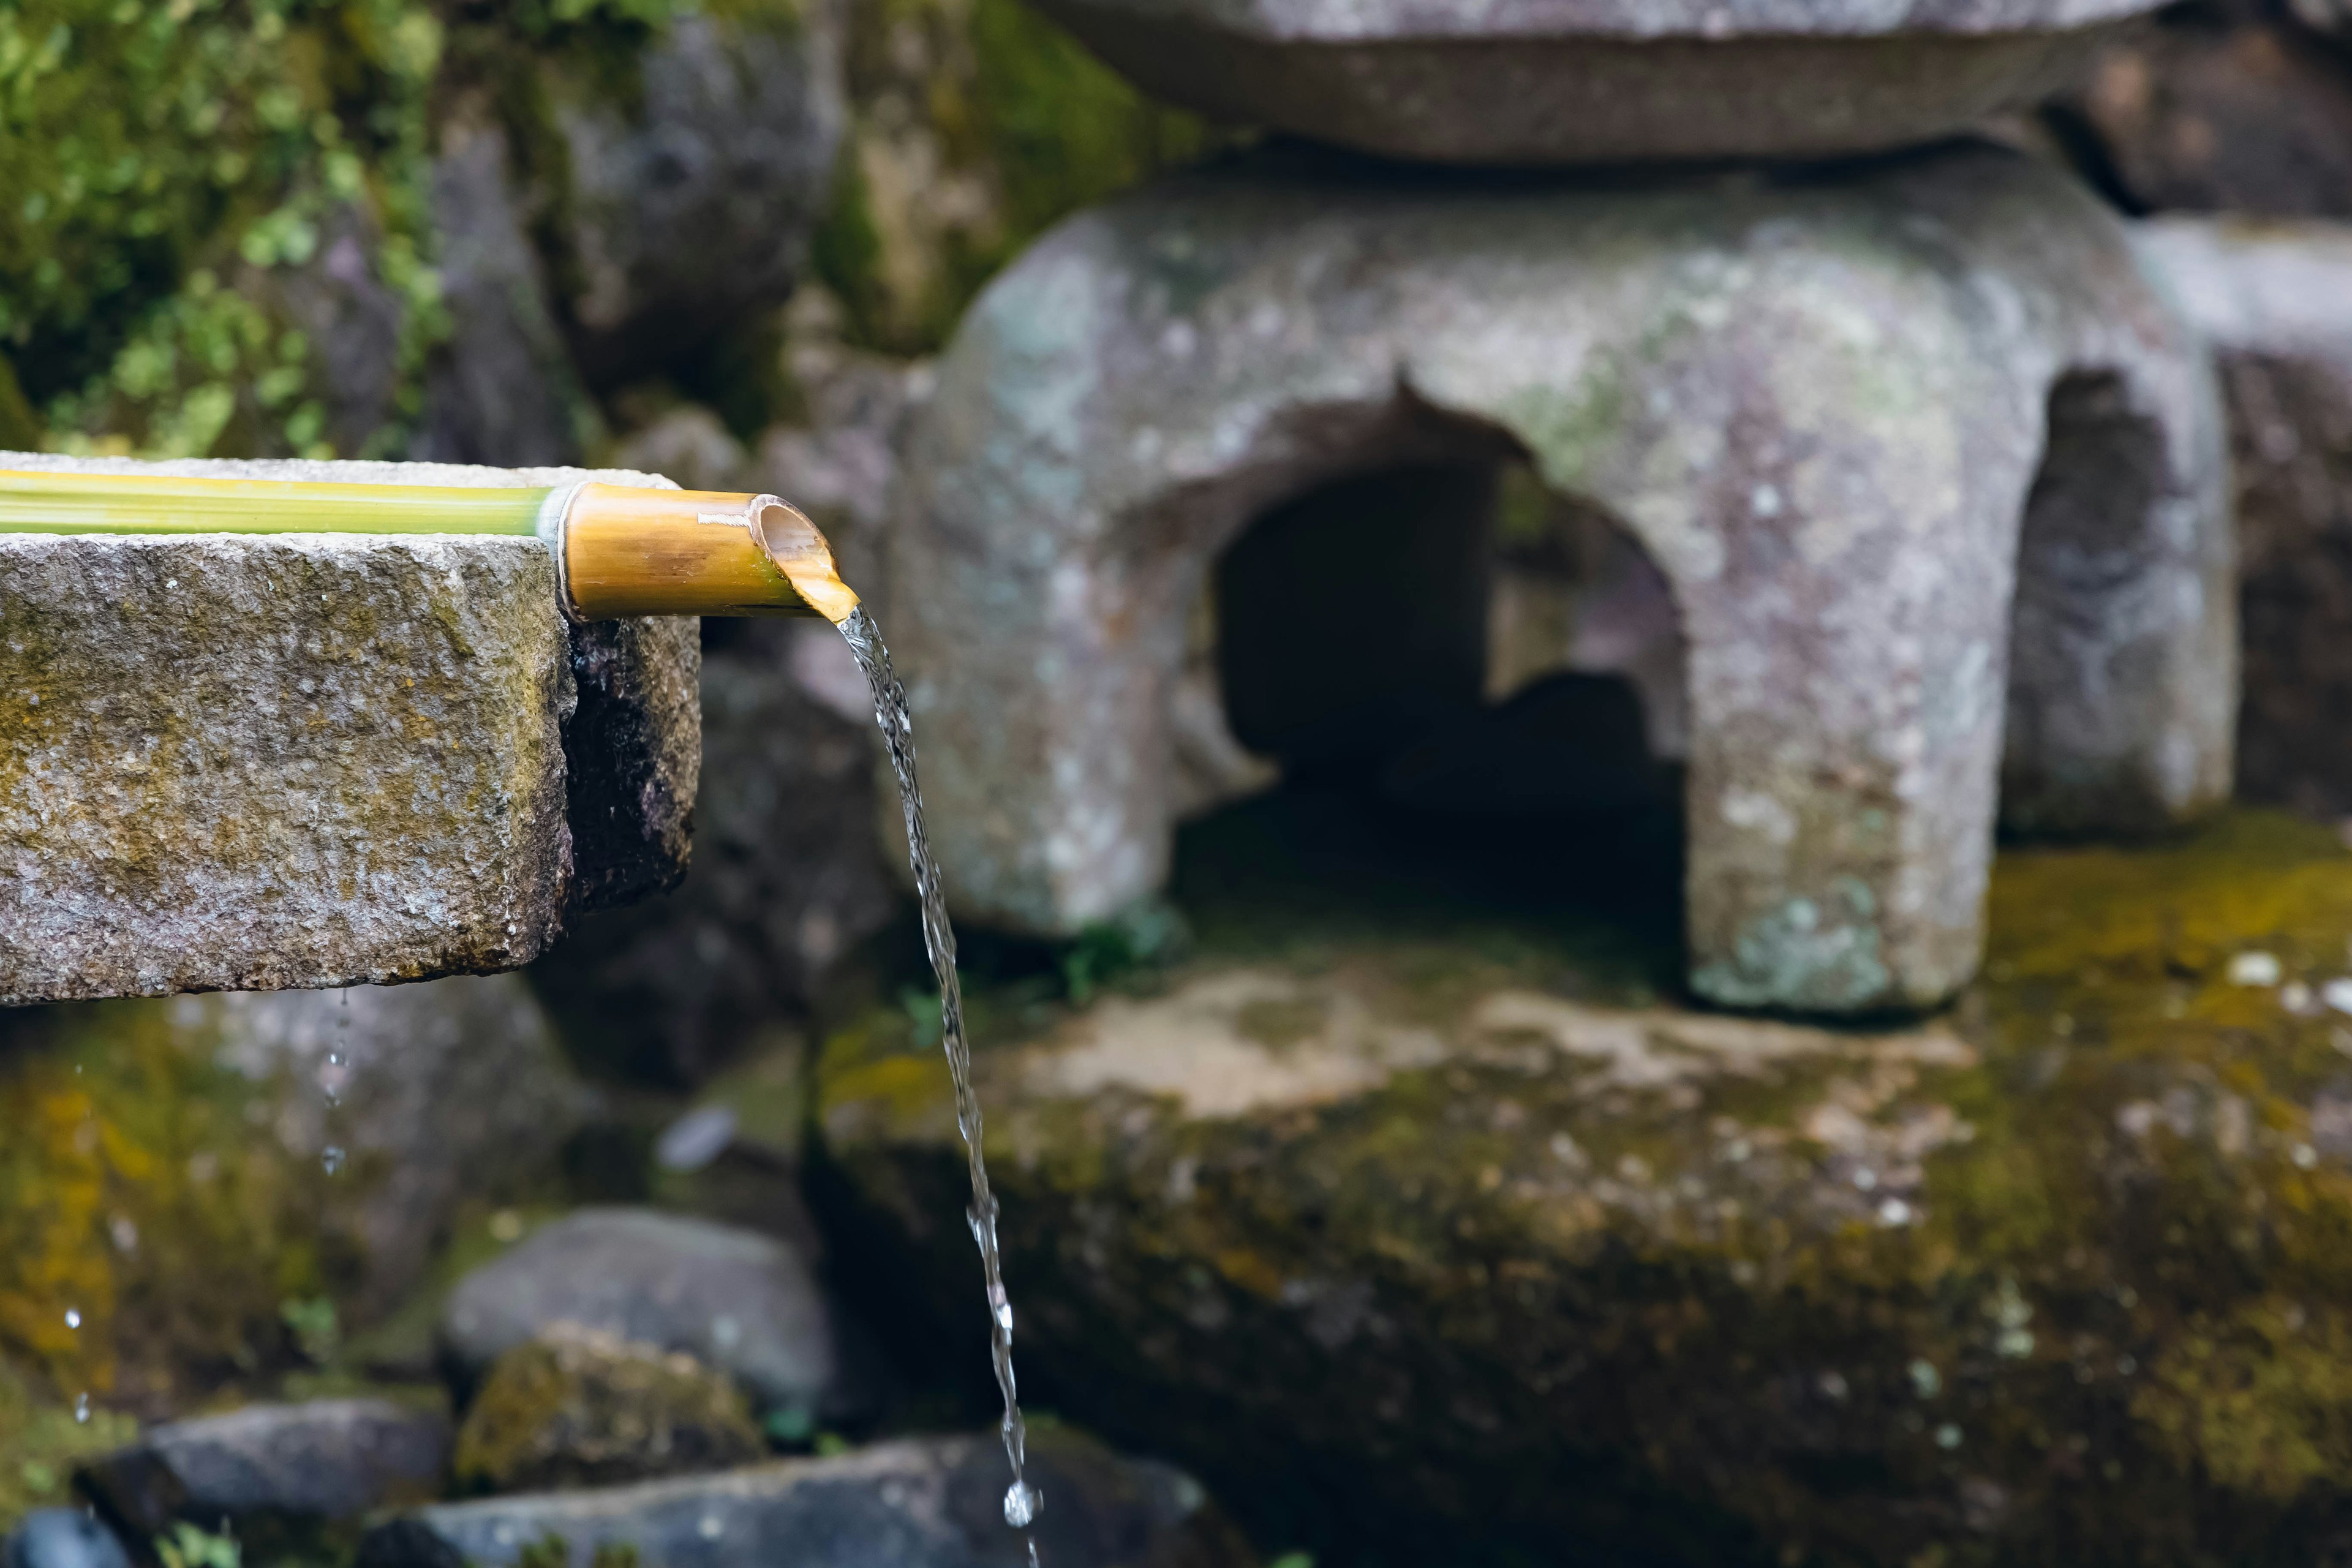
{"type": "Point", "coordinates": [1022, 1500]}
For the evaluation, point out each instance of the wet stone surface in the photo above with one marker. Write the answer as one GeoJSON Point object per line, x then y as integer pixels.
{"type": "Point", "coordinates": [917, 1503]}
{"type": "Point", "coordinates": [1453, 1213]}
{"type": "Point", "coordinates": [62, 1538]}
{"type": "Point", "coordinates": [242, 763]}
{"type": "Point", "coordinates": [273, 1467]}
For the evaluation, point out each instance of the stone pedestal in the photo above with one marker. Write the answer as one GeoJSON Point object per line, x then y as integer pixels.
{"type": "Point", "coordinates": [248, 762]}
{"type": "Point", "coordinates": [1936, 479]}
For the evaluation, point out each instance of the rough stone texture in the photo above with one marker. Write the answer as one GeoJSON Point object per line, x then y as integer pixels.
{"type": "Point", "coordinates": [578, 1408]}
{"type": "Point", "coordinates": [927, 1503]}
{"type": "Point", "coordinates": [447, 1093]}
{"type": "Point", "coordinates": [327, 1461]}
{"type": "Point", "coordinates": [1555, 81]}
{"type": "Point", "coordinates": [733, 1298]}
{"type": "Point", "coordinates": [2275, 301]}
{"type": "Point", "coordinates": [788, 872]}
{"type": "Point", "coordinates": [62, 1538]}
{"type": "Point", "coordinates": [2229, 108]}
{"type": "Point", "coordinates": [1411, 1230]}
{"type": "Point", "coordinates": [636, 727]}
{"type": "Point", "coordinates": [1819, 407]}
{"type": "Point", "coordinates": [247, 762]}
{"type": "Point", "coordinates": [692, 208]}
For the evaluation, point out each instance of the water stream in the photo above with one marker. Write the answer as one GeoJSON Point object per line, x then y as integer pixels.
{"type": "Point", "coordinates": [1022, 1500]}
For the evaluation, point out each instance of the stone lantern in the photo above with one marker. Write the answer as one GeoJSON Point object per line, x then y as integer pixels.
{"type": "Point", "coordinates": [1923, 473]}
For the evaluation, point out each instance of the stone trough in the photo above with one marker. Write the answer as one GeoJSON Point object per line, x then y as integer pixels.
{"type": "Point", "coordinates": [1932, 472]}
{"type": "Point", "coordinates": [1570, 81]}
{"type": "Point", "coordinates": [308, 759]}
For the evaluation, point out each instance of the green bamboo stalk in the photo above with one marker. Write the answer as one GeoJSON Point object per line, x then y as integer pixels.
{"type": "Point", "coordinates": [32, 502]}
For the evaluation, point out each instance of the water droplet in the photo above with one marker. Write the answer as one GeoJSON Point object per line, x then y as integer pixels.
{"type": "Point", "coordinates": [2255, 969]}
{"type": "Point", "coordinates": [73, 1317]}
{"type": "Point", "coordinates": [332, 1160]}
{"type": "Point", "coordinates": [81, 1408]}
{"type": "Point", "coordinates": [1022, 1502]}
{"type": "Point", "coordinates": [336, 1059]}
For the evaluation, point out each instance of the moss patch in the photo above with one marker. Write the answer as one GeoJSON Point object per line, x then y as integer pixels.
{"type": "Point", "coordinates": [976, 125]}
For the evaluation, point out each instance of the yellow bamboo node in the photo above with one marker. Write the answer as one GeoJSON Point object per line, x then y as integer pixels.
{"type": "Point", "coordinates": [629, 552]}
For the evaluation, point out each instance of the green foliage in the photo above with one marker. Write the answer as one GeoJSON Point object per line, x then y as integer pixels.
{"type": "Point", "coordinates": [553, 1550]}
{"type": "Point", "coordinates": [167, 168]}
{"type": "Point", "coordinates": [188, 1547]}
{"type": "Point", "coordinates": [1145, 934]}
{"type": "Point", "coordinates": [316, 1328]}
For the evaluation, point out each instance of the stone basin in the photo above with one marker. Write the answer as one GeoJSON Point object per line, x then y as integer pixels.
{"type": "Point", "coordinates": [1581, 81]}
{"type": "Point", "coordinates": [246, 762]}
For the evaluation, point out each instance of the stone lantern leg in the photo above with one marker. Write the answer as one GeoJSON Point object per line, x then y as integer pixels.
{"type": "Point", "coordinates": [1924, 457]}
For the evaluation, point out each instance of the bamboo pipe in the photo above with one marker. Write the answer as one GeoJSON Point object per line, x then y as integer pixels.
{"type": "Point", "coordinates": [619, 550]}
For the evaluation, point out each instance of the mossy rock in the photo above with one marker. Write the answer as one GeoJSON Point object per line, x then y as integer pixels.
{"type": "Point", "coordinates": [199, 1194]}
{"type": "Point", "coordinates": [576, 1407]}
{"type": "Point", "coordinates": [1436, 1210]}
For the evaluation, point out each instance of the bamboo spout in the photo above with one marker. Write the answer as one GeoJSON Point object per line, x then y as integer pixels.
{"type": "Point", "coordinates": [628, 551]}
{"type": "Point", "coordinates": [619, 550]}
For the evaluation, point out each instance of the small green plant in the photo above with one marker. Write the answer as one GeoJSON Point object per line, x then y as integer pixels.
{"type": "Point", "coordinates": [1144, 936]}
{"type": "Point", "coordinates": [924, 1015]}
{"type": "Point", "coordinates": [790, 1426]}
{"type": "Point", "coordinates": [316, 1331]}
{"type": "Point", "coordinates": [188, 1547]}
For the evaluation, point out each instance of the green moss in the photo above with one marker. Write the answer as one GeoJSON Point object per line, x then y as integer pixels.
{"type": "Point", "coordinates": [134, 1196]}
{"type": "Point", "coordinates": [1008, 112]}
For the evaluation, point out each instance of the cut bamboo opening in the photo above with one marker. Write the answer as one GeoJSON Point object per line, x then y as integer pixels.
{"type": "Point", "coordinates": [619, 550]}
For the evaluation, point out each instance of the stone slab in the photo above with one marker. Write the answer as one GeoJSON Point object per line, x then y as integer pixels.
{"type": "Point", "coordinates": [326, 1460]}
{"type": "Point", "coordinates": [236, 762]}
{"type": "Point", "coordinates": [932, 1503]}
{"type": "Point", "coordinates": [1570, 81]}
